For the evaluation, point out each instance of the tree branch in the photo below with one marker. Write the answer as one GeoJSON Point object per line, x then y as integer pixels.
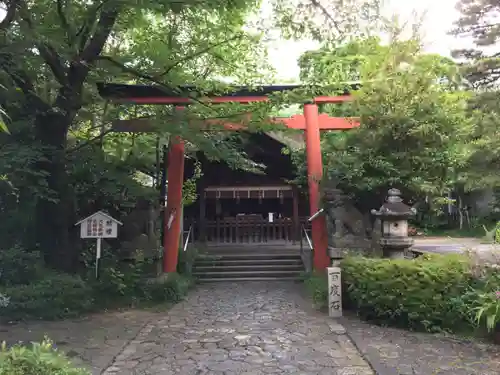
{"type": "Point", "coordinates": [11, 11]}
{"type": "Point", "coordinates": [80, 65]}
{"type": "Point", "coordinates": [103, 29]}
{"type": "Point", "coordinates": [126, 69]}
{"type": "Point", "coordinates": [24, 83]}
{"type": "Point", "coordinates": [136, 73]}
{"type": "Point", "coordinates": [64, 22]}
{"type": "Point", "coordinates": [327, 14]}
{"type": "Point", "coordinates": [90, 141]}
{"type": "Point", "coordinates": [84, 32]}
{"type": "Point", "coordinates": [47, 52]}
{"type": "Point", "coordinates": [197, 54]}
{"type": "Point", "coordinates": [53, 60]}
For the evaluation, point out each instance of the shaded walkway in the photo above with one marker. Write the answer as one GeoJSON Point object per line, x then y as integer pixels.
{"type": "Point", "coordinates": [256, 328]}
{"type": "Point", "coordinates": [394, 351]}
{"type": "Point", "coordinates": [92, 341]}
{"type": "Point", "coordinates": [243, 328]}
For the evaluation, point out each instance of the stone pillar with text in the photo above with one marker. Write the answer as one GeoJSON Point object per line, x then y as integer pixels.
{"type": "Point", "coordinates": [332, 201]}
{"type": "Point", "coordinates": [334, 292]}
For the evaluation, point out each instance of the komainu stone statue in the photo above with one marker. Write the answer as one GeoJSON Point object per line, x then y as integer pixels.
{"type": "Point", "coordinates": [346, 226]}
{"type": "Point", "coordinates": [139, 231]}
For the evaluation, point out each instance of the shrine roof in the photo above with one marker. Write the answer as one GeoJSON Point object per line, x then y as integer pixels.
{"type": "Point", "coordinates": [121, 91]}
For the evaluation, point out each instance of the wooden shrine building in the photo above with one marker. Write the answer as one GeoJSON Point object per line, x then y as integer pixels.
{"type": "Point", "coordinates": [239, 207]}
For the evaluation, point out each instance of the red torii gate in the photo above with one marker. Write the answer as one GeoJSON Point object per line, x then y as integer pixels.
{"type": "Point", "coordinates": [311, 122]}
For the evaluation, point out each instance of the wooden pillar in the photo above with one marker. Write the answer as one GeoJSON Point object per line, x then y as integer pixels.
{"type": "Point", "coordinates": [295, 215]}
{"type": "Point", "coordinates": [314, 174]}
{"type": "Point", "coordinates": [173, 212]}
{"type": "Point", "coordinates": [202, 232]}
{"type": "Point", "coordinates": [163, 189]}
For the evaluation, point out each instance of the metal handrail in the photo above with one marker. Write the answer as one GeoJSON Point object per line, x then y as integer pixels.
{"type": "Point", "coordinates": [309, 242]}
{"type": "Point", "coordinates": [316, 215]}
{"type": "Point", "coordinates": [306, 258]}
{"type": "Point", "coordinates": [186, 243]}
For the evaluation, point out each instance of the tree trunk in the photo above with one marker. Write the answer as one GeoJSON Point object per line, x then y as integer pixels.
{"type": "Point", "coordinates": [52, 215]}
{"type": "Point", "coordinates": [460, 213]}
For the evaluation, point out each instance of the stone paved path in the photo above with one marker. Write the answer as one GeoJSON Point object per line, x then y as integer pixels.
{"type": "Point", "coordinates": [92, 341]}
{"type": "Point", "coordinates": [394, 351]}
{"type": "Point", "coordinates": [253, 328]}
{"type": "Point", "coordinates": [241, 328]}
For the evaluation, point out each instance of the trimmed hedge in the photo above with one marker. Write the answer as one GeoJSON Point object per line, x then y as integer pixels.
{"type": "Point", "coordinates": [431, 293]}
{"type": "Point", "coordinates": [417, 294]}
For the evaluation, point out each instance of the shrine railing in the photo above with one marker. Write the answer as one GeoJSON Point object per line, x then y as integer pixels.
{"type": "Point", "coordinates": [249, 229]}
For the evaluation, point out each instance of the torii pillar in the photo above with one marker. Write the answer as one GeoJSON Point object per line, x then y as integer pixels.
{"type": "Point", "coordinates": [173, 217]}
{"type": "Point", "coordinates": [321, 259]}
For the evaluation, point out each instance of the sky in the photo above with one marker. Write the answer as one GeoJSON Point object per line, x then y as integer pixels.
{"type": "Point", "coordinates": [439, 18]}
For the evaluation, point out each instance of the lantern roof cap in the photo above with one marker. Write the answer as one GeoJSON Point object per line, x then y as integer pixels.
{"type": "Point", "coordinates": [394, 206]}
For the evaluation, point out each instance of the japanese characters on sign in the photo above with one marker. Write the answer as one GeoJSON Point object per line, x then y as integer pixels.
{"type": "Point", "coordinates": [99, 225]}
{"type": "Point", "coordinates": [334, 292]}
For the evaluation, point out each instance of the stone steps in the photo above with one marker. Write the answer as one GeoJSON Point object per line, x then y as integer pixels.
{"type": "Point", "coordinates": [245, 265]}
{"type": "Point", "coordinates": [247, 261]}
{"type": "Point", "coordinates": [240, 278]}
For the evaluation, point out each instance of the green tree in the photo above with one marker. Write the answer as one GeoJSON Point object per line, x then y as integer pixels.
{"type": "Point", "coordinates": [54, 51]}
{"type": "Point", "coordinates": [328, 21]}
{"type": "Point", "coordinates": [415, 128]}
{"type": "Point", "coordinates": [479, 21]}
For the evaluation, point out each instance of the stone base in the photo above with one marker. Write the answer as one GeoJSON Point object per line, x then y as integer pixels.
{"type": "Point", "coordinates": [397, 242]}
{"type": "Point", "coordinates": [394, 253]}
{"type": "Point", "coordinates": [349, 243]}
{"type": "Point", "coordinates": [336, 262]}
{"type": "Point", "coordinates": [161, 278]}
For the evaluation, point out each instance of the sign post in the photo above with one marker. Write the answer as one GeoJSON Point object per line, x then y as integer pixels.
{"type": "Point", "coordinates": [98, 225]}
{"type": "Point", "coordinates": [97, 256]}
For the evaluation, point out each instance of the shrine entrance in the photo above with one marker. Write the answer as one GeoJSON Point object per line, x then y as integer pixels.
{"type": "Point", "coordinates": [240, 207]}
{"type": "Point", "coordinates": [312, 122]}
{"type": "Point", "coordinates": [249, 215]}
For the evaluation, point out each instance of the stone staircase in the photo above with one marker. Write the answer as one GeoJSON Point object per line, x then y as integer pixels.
{"type": "Point", "coordinates": [248, 263]}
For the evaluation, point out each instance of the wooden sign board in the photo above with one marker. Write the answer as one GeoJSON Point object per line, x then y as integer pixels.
{"type": "Point", "coordinates": [99, 225]}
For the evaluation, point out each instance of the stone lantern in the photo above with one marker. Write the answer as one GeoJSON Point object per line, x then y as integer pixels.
{"type": "Point", "coordinates": [394, 215]}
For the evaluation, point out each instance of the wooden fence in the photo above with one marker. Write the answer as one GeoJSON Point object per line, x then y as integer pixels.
{"type": "Point", "coordinates": [248, 229]}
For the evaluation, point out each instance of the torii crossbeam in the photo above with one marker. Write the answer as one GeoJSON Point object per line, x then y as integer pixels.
{"type": "Point", "coordinates": [311, 122]}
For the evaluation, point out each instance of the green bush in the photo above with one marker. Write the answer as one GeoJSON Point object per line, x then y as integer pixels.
{"type": "Point", "coordinates": [39, 359]}
{"type": "Point", "coordinates": [173, 289]}
{"type": "Point", "coordinates": [29, 291]}
{"type": "Point", "coordinates": [52, 297]}
{"type": "Point", "coordinates": [18, 266]}
{"type": "Point", "coordinates": [317, 287]}
{"type": "Point", "coordinates": [410, 293]}
{"type": "Point", "coordinates": [121, 283]}
{"type": "Point", "coordinates": [433, 292]}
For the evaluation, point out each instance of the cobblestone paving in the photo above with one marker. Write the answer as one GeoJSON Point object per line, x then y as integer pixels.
{"type": "Point", "coordinates": [92, 341]}
{"type": "Point", "coordinates": [242, 328]}
{"type": "Point", "coordinates": [397, 352]}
